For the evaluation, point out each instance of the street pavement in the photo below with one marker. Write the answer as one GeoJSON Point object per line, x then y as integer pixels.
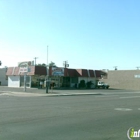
{"type": "Point", "coordinates": [100, 115]}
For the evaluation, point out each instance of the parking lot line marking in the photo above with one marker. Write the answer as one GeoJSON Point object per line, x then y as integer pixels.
{"type": "Point", "coordinates": [103, 96]}
{"type": "Point", "coordinates": [129, 97]}
{"type": "Point", "coordinates": [123, 109]}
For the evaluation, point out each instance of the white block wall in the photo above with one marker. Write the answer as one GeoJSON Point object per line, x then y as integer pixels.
{"type": "Point", "coordinates": [13, 81]}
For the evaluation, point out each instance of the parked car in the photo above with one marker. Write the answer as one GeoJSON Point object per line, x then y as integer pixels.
{"type": "Point", "coordinates": [102, 85]}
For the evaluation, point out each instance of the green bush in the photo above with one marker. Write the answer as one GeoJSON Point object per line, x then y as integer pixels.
{"type": "Point", "coordinates": [82, 84]}
{"type": "Point", "coordinates": [89, 84]}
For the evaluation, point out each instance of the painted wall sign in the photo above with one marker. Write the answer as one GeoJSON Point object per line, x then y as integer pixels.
{"type": "Point", "coordinates": [57, 71]}
{"type": "Point", "coordinates": [24, 64]}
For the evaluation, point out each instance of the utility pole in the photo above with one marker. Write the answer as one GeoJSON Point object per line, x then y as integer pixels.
{"type": "Point", "coordinates": [35, 60]}
{"type": "Point", "coordinates": [65, 64]}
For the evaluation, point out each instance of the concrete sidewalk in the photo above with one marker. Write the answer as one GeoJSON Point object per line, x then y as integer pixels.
{"type": "Point", "coordinates": [49, 94]}
{"type": "Point", "coordinates": [42, 92]}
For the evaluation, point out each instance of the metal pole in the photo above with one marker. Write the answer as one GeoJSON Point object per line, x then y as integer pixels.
{"type": "Point", "coordinates": [25, 81]}
{"type": "Point", "coordinates": [47, 57]}
{"type": "Point", "coordinates": [35, 60]}
{"type": "Point", "coordinates": [47, 80]}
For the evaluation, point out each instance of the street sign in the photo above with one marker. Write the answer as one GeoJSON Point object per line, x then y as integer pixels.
{"type": "Point", "coordinates": [25, 64]}
{"type": "Point", "coordinates": [23, 69]}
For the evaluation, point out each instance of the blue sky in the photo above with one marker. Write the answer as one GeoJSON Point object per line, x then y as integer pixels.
{"type": "Point", "coordinates": [91, 34]}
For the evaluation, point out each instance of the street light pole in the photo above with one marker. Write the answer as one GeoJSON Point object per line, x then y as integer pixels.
{"type": "Point", "coordinates": [35, 60]}
{"type": "Point", "coordinates": [47, 73]}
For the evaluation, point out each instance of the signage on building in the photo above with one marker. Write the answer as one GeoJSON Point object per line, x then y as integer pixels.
{"type": "Point", "coordinates": [57, 71]}
{"type": "Point", "coordinates": [137, 76]}
{"type": "Point", "coordinates": [23, 69]}
{"type": "Point", "coordinates": [25, 64]}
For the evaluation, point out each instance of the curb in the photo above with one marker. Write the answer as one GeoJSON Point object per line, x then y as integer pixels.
{"type": "Point", "coordinates": [45, 94]}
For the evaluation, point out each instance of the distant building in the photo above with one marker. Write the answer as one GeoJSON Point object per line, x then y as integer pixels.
{"type": "Point", "coordinates": [16, 78]}
{"type": "Point", "coordinates": [3, 77]}
{"type": "Point", "coordinates": [123, 79]}
{"type": "Point", "coordinates": [62, 77]}
{"type": "Point", "coordinates": [66, 77]}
